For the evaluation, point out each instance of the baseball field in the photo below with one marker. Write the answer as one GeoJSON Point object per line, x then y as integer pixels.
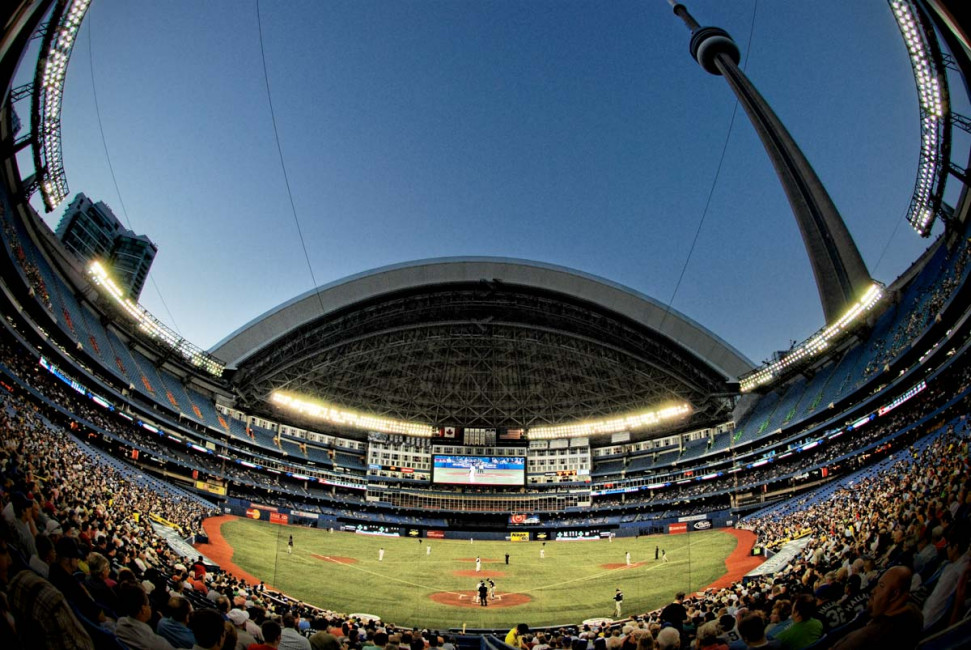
{"type": "Point", "coordinates": [432, 582]}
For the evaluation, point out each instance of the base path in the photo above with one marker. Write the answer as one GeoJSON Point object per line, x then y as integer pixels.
{"type": "Point", "coordinates": [336, 559]}
{"type": "Point", "coordinates": [471, 599]}
{"type": "Point", "coordinates": [741, 560]}
{"type": "Point", "coordinates": [219, 550]}
{"type": "Point", "coordinates": [622, 565]}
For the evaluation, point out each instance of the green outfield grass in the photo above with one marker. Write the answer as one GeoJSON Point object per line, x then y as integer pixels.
{"type": "Point", "coordinates": [569, 585]}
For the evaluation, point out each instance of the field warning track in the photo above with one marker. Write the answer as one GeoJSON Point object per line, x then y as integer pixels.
{"type": "Point", "coordinates": [219, 551]}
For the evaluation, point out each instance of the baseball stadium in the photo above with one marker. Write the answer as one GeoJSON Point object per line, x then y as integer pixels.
{"type": "Point", "coordinates": [466, 450]}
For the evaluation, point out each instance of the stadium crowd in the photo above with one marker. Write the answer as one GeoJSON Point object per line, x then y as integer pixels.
{"type": "Point", "coordinates": [82, 564]}
{"type": "Point", "coordinates": [886, 564]}
{"type": "Point", "coordinates": [927, 305]}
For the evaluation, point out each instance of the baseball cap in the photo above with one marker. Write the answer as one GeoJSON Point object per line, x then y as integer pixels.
{"type": "Point", "coordinates": [238, 616]}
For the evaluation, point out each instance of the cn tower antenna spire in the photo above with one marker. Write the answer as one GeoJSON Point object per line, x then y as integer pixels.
{"type": "Point", "coordinates": [841, 275]}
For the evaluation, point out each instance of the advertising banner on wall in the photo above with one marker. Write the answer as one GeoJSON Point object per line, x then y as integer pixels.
{"type": "Point", "coordinates": [215, 488]}
{"type": "Point", "coordinates": [677, 529]}
{"type": "Point", "coordinates": [524, 520]}
{"type": "Point", "coordinates": [518, 537]}
{"type": "Point", "coordinates": [435, 534]}
{"type": "Point", "coordinates": [279, 518]}
{"type": "Point", "coordinates": [576, 535]}
{"type": "Point", "coordinates": [375, 529]}
{"type": "Point", "coordinates": [305, 515]}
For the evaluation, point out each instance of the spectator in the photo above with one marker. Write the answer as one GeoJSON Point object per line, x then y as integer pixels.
{"type": "Point", "coordinates": [675, 613]}
{"type": "Point", "coordinates": [97, 584]}
{"type": "Point", "coordinates": [45, 557]}
{"type": "Point", "coordinates": [133, 629]}
{"type": "Point", "coordinates": [229, 641]}
{"type": "Point", "coordinates": [668, 639]}
{"type": "Point", "coordinates": [805, 629]}
{"type": "Point", "coordinates": [936, 608]}
{"type": "Point", "coordinates": [515, 636]}
{"type": "Point", "coordinates": [62, 576]}
{"type": "Point", "coordinates": [290, 639]}
{"type": "Point", "coordinates": [239, 618]}
{"type": "Point", "coordinates": [19, 513]}
{"type": "Point", "coordinates": [174, 627]}
{"type": "Point", "coordinates": [271, 636]}
{"type": "Point", "coordinates": [779, 619]}
{"type": "Point", "coordinates": [208, 628]}
{"type": "Point", "coordinates": [708, 637]}
{"type": "Point", "coordinates": [752, 630]}
{"type": "Point", "coordinates": [41, 615]}
{"type": "Point", "coordinates": [893, 620]}
{"type": "Point", "coordinates": [327, 641]}
{"type": "Point", "coordinates": [645, 641]}
{"type": "Point", "coordinates": [378, 641]}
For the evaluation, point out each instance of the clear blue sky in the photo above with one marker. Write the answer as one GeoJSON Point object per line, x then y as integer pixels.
{"type": "Point", "coordinates": [577, 133]}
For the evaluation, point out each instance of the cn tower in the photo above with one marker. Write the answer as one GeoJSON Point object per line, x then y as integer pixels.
{"type": "Point", "coordinates": [841, 275]}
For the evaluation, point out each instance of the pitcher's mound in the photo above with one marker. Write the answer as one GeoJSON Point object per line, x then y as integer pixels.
{"type": "Point", "coordinates": [479, 574]}
{"type": "Point", "coordinates": [336, 559]}
{"type": "Point", "coordinates": [471, 599]}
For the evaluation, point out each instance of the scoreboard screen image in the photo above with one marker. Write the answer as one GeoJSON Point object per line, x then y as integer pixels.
{"type": "Point", "coordinates": [479, 470]}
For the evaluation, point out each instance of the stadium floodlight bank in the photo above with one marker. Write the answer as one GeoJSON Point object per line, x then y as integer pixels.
{"type": "Point", "coordinates": [815, 344]}
{"type": "Point", "coordinates": [334, 415]}
{"type": "Point", "coordinates": [150, 325]}
{"type": "Point", "coordinates": [612, 425]}
{"type": "Point", "coordinates": [341, 417]}
{"type": "Point", "coordinates": [55, 54]}
{"type": "Point", "coordinates": [935, 114]}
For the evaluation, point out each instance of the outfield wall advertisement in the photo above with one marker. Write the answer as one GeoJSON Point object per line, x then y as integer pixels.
{"type": "Point", "coordinates": [519, 519]}
{"type": "Point", "coordinates": [579, 535]}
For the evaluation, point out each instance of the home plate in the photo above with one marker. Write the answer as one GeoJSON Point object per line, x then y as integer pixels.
{"type": "Point", "coordinates": [471, 599]}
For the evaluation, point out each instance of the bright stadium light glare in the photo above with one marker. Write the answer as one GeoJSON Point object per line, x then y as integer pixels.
{"type": "Point", "coordinates": [932, 96]}
{"type": "Point", "coordinates": [46, 109]}
{"type": "Point", "coordinates": [325, 412]}
{"type": "Point", "coordinates": [150, 325]}
{"type": "Point", "coordinates": [322, 411]}
{"type": "Point", "coordinates": [815, 344]}
{"type": "Point", "coordinates": [618, 424]}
